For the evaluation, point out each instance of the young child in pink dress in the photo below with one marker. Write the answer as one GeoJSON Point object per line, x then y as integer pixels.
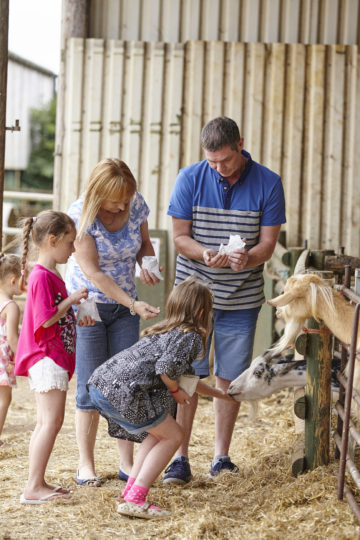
{"type": "Point", "coordinates": [10, 271]}
{"type": "Point", "coordinates": [46, 348]}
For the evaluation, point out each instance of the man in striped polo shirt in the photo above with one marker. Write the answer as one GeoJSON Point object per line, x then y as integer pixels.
{"type": "Point", "coordinates": [226, 194]}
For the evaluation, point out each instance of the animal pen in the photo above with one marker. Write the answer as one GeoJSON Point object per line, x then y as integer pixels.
{"type": "Point", "coordinates": [315, 343]}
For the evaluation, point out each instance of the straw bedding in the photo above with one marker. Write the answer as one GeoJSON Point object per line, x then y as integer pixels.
{"type": "Point", "coordinates": [264, 501]}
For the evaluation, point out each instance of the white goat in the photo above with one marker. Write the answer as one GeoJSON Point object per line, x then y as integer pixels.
{"type": "Point", "coordinates": [307, 295]}
{"type": "Point", "coordinates": [271, 372]}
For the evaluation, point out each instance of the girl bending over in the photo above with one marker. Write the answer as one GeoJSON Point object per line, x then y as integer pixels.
{"type": "Point", "coordinates": [138, 389]}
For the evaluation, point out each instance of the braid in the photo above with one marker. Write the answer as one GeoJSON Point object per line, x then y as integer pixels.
{"type": "Point", "coordinates": [28, 225]}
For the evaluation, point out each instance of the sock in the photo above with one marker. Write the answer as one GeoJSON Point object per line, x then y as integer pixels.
{"type": "Point", "coordinates": [218, 458]}
{"type": "Point", "coordinates": [136, 494]}
{"type": "Point", "coordinates": [128, 486]}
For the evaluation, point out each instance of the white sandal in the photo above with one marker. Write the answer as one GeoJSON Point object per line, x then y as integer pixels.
{"type": "Point", "coordinates": [141, 511]}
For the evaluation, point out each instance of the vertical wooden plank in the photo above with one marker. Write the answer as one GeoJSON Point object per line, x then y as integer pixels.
{"type": "Point", "coordinates": [348, 23]}
{"type": "Point", "coordinates": [170, 152]}
{"type": "Point", "coordinates": [92, 105]}
{"type": "Point", "coordinates": [293, 139]}
{"type": "Point", "coordinates": [130, 29]}
{"type": "Point", "coordinates": [309, 21]}
{"type": "Point", "coordinates": [290, 21]}
{"type": "Point", "coordinates": [332, 192]}
{"type": "Point", "coordinates": [253, 98]}
{"type": "Point", "coordinates": [350, 207]}
{"type": "Point", "coordinates": [152, 127]}
{"type": "Point", "coordinates": [273, 107]}
{"type": "Point", "coordinates": [269, 21]}
{"type": "Point", "coordinates": [234, 78]}
{"type": "Point", "coordinates": [170, 21]}
{"type": "Point", "coordinates": [112, 19]}
{"type": "Point", "coordinates": [328, 21]}
{"type": "Point", "coordinates": [70, 181]}
{"type": "Point", "coordinates": [209, 20]}
{"type": "Point", "coordinates": [150, 21]}
{"type": "Point", "coordinates": [313, 145]}
{"type": "Point", "coordinates": [193, 103]}
{"type": "Point", "coordinates": [229, 20]}
{"type": "Point", "coordinates": [190, 20]}
{"type": "Point", "coordinates": [113, 95]}
{"type": "Point", "coordinates": [133, 105]}
{"type": "Point", "coordinates": [213, 80]}
{"type": "Point", "coordinates": [249, 21]}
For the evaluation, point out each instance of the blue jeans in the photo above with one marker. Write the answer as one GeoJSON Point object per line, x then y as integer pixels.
{"type": "Point", "coordinates": [96, 344]}
{"type": "Point", "coordinates": [104, 406]}
{"type": "Point", "coordinates": [234, 333]}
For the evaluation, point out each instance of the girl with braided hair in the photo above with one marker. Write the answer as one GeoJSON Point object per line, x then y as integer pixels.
{"type": "Point", "coordinates": [46, 349]}
{"type": "Point", "coordinates": [9, 329]}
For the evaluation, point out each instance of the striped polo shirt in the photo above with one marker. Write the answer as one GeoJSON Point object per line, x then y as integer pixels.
{"type": "Point", "coordinates": [217, 210]}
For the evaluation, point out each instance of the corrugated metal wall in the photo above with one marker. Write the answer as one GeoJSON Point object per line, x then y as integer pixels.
{"type": "Point", "coordinates": [296, 105]}
{"type": "Point", "coordinates": [266, 21]}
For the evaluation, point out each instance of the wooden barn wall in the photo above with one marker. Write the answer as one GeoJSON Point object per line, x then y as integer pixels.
{"type": "Point", "coordinates": [297, 107]}
{"type": "Point", "coordinates": [264, 21]}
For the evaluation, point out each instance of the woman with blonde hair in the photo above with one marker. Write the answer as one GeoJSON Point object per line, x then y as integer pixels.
{"type": "Point", "coordinates": [111, 219]}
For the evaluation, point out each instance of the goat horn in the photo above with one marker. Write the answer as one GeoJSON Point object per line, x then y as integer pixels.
{"type": "Point", "coordinates": [302, 262]}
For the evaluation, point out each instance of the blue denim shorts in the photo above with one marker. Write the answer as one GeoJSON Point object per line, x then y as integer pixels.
{"type": "Point", "coordinates": [234, 333]}
{"type": "Point", "coordinates": [96, 344]}
{"type": "Point", "coordinates": [106, 409]}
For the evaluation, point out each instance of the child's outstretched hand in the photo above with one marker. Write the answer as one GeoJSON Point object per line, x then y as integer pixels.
{"type": "Point", "coordinates": [181, 397]}
{"type": "Point", "coordinates": [77, 296]}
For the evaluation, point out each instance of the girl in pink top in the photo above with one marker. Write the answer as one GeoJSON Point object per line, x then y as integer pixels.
{"type": "Point", "coordinates": [46, 348]}
{"type": "Point", "coordinates": [10, 270]}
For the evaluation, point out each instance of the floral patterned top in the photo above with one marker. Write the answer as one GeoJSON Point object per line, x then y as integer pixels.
{"type": "Point", "coordinates": [116, 250]}
{"type": "Point", "coordinates": [131, 380]}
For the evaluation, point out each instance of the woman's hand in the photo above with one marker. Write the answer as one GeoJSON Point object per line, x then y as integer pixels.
{"type": "Point", "coordinates": [145, 310]}
{"type": "Point", "coordinates": [86, 321]}
{"type": "Point", "coordinates": [149, 278]}
{"type": "Point", "coordinates": [77, 296]}
{"type": "Point", "coordinates": [221, 394]}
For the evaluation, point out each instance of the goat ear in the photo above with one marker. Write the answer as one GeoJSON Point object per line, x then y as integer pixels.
{"type": "Point", "coordinates": [281, 300]}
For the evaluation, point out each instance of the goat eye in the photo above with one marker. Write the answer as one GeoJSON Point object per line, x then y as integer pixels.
{"type": "Point", "coordinates": [258, 372]}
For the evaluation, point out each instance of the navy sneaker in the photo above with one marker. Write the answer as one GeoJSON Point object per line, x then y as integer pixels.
{"type": "Point", "coordinates": [123, 476]}
{"type": "Point", "coordinates": [178, 472]}
{"type": "Point", "coordinates": [223, 464]}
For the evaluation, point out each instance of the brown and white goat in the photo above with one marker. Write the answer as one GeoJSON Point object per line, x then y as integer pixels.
{"type": "Point", "coordinates": [307, 295]}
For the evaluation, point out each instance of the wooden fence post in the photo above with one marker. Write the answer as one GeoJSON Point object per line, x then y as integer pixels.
{"type": "Point", "coordinates": [316, 346]}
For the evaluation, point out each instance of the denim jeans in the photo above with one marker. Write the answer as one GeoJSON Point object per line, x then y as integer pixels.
{"type": "Point", "coordinates": [108, 410]}
{"type": "Point", "coordinates": [96, 344]}
{"type": "Point", "coordinates": [234, 333]}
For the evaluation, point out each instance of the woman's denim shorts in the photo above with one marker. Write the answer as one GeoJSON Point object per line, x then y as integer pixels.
{"type": "Point", "coordinates": [109, 411]}
{"type": "Point", "coordinates": [234, 333]}
{"type": "Point", "coordinates": [96, 344]}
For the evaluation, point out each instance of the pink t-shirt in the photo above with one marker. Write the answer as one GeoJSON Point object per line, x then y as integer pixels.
{"type": "Point", "coordinates": [45, 291]}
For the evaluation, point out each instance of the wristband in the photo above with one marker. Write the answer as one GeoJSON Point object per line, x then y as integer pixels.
{"type": "Point", "coordinates": [131, 307]}
{"type": "Point", "coordinates": [174, 391]}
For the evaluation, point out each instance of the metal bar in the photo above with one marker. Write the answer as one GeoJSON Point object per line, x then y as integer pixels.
{"type": "Point", "coordinates": [344, 383]}
{"type": "Point", "coordinates": [348, 494]}
{"type": "Point", "coordinates": [349, 293]}
{"type": "Point", "coordinates": [351, 467]}
{"type": "Point", "coordinates": [28, 196]}
{"type": "Point", "coordinates": [4, 31]}
{"type": "Point", "coordinates": [341, 412]}
{"type": "Point", "coordinates": [345, 432]}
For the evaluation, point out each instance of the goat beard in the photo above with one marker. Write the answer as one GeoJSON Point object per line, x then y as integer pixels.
{"type": "Point", "coordinates": [292, 330]}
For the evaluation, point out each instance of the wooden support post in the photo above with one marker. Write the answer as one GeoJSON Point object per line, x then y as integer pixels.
{"type": "Point", "coordinates": [316, 345]}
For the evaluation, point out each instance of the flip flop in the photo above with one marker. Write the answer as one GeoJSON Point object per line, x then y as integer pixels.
{"type": "Point", "coordinates": [60, 489]}
{"type": "Point", "coordinates": [95, 480]}
{"type": "Point", "coordinates": [47, 498]}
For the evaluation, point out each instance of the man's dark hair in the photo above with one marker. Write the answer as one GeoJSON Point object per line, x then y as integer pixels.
{"type": "Point", "coordinates": [219, 132]}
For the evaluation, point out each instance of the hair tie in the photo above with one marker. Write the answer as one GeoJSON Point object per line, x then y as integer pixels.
{"type": "Point", "coordinates": [2, 257]}
{"type": "Point", "coordinates": [34, 219]}
{"type": "Point", "coordinates": [22, 272]}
